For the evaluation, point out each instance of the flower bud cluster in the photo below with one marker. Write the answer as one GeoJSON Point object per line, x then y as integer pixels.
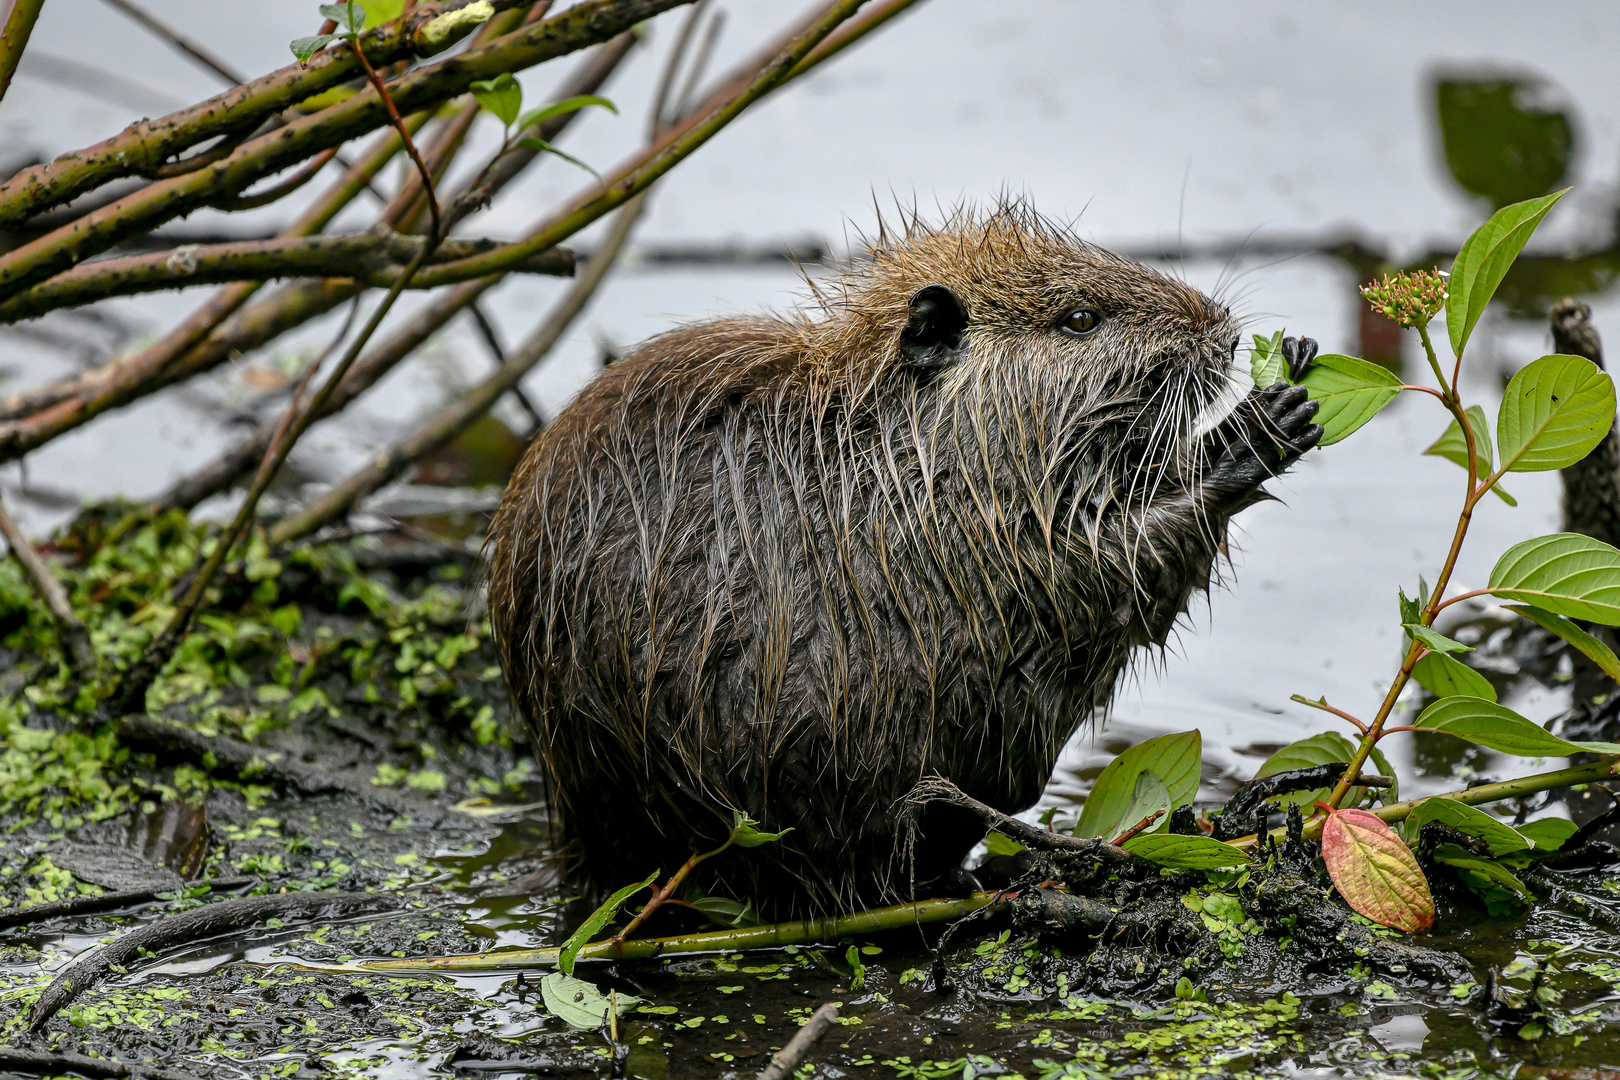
{"type": "Point", "coordinates": [1410, 298]}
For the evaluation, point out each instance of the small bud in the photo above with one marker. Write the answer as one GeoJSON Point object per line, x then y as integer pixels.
{"type": "Point", "coordinates": [1410, 298]}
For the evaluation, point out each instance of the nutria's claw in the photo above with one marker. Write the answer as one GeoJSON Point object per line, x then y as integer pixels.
{"type": "Point", "coordinates": [1270, 430]}
{"type": "Point", "coordinates": [1299, 352]}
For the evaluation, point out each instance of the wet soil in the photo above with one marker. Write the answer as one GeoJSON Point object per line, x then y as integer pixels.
{"type": "Point", "coordinates": [359, 679]}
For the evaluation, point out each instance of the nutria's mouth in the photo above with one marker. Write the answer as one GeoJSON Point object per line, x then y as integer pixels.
{"type": "Point", "coordinates": [1234, 385]}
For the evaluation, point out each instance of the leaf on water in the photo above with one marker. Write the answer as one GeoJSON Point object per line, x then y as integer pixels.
{"type": "Point", "coordinates": [501, 95]}
{"type": "Point", "coordinates": [599, 918]}
{"type": "Point", "coordinates": [1566, 573]}
{"type": "Point", "coordinates": [567, 105]}
{"type": "Point", "coordinates": [1503, 838]}
{"type": "Point", "coordinates": [1174, 759]}
{"type": "Point", "coordinates": [1377, 875]}
{"type": "Point", "coordinates": [1484, 261]}
{"type": "Point", "coordinates": [745, 832]}
{"type": "Point", "coordinates": [1349, 391]}
{"type": "Point", "coordinates": [1549, 833]}
{"type": "Point", "coordinates": [1454, 448]}
{"type": "Point", "coordinates": [1266, 361]}
{"type": "Point", "coordinates": [1444, 677]}
{"type": "Point", "coordinates": [1499, 728]}
{"type": "Point", "coordinates": [580, 1004]}
{"type": "Point", "coordinates": [1599, 653]}
{"type": "Point", "coordinates": [1434, 640]}
{"type": "Point", "coordinates": [727, 912]}
{"type": "Point", "coordinates": [1321, 749]}
{"type": "Point", "coordinates": [1554, 411]}
{"type": "Point", "coordinates": [1492, 882]}
{"type": "Point", "coordinates": [1186, 852]}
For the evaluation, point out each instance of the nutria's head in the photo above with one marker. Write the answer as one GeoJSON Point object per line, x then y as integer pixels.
{"type": "Point", "coordinates": [1007, 315]}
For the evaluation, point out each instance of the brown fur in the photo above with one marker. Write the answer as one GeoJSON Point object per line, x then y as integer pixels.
{"type": "Point", "coordinates": [767, 565]}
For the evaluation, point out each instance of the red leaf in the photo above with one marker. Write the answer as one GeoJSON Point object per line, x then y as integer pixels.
{"type": "Point", "coordinates": [1377, 875]}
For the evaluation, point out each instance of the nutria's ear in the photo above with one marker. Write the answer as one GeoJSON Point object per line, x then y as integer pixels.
{"type": "Point", "coordinates": [933, 334]}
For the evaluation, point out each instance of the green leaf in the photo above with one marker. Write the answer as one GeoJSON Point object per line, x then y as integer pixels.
{"type": "Point", "coordinates": [1484, 261]}
{"type": "Point", "coordinates": [1502, 837]}
{"type": "Point", "coordinates": [350, 17]}
{"type": "Point", "coordinates": [1321, 749]}
{"type": "Point", "coordinates": [1494, 883]}
{"type": "Point", "coordinates": [1549, 833]}
{"type": "Point", "coordinates": [1566, 573]}
{"type": "Point", "coordinates": [744, 832]}
{"type": "Point", "coordinates": [1554, 411]}
{"type": "Point", "coordinates": [580, 1004]}
{"type": "Point", "coordinates": [1434, 640]}
{"type": "Point", "coordinates": [1500, 728]}
{"type": "Point", "coordinates": [1266, 361]}
{"type": "Point", "coordinates": [501, 95]}
{"type": "Point", "coordinates": [727, 912]}
{"type": "Point", "coordinates": [1444, 677]}
{"type": "Point", "coordinates": [1149, 797]}
{"type": "Point", "coordinates": [567, 105]}
{"type": "Point", "coordinates": [1411, 610]}
{"type": "Point", "coordinates": [1186, 852]}
{"type": "Point", "coordinates": [543, 147]}
{"type": "Point", "coordinates": [1350, 392]}
{"type": "Point", "coordinates": [599, 918]}
{"type": "Point", "coordinates": [1001, 844]}
{"type": "Point", "coordinates": [305, 47]}
{"type": "Point", "coordinates": [1174, 759]}
{"type": "Point", "coordinates": [1454, 448]}
{"type": "Point", "coordinates": [1377, 875]}
{"type": "Point", "coordinates": [1599, 653]}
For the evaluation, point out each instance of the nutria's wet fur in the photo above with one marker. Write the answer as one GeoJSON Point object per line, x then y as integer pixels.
{"type": "Point", "coordinates": [789, 565]}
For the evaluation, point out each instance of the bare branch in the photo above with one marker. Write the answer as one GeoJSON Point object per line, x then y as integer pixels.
{"type": "Point", "coordinates": [179, 42]}
{"type": "Point", "coordinates": [146, 145]}
{"type": "Point", "coordinates": [375, 258]}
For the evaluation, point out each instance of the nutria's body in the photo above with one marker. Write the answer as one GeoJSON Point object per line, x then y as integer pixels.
{"type": "Point", "coordinates": [789, 566]}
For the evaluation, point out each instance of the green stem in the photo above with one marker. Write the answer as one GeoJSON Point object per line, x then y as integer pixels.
{"type": "Point", "coordinates": [14, 38]}
{"type": "Point", "coordinates": [776, 935]}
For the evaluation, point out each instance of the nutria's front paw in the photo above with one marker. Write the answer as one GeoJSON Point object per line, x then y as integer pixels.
{"type": "Point", "coordinates": [1268, 433]}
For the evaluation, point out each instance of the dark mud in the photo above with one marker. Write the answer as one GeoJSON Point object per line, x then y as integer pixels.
{"type": "Point", "coordinates": [367, 663]}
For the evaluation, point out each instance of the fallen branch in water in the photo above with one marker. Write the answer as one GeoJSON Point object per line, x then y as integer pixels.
{"type": "Point", "coordinates": [802, 932]}
{"type": "Point", "coordinates": [75, 637]}
{"type": "Point", "coordinates": [198, 924]}
{"type": "Point", "coordinates": [221, 753]}
{"type": "Point", "coordinates": [786, 1061]}
{"type": "Point", "coordinates": [96, 905]}
{"type": "Point", "coordinates": [58, 1062]}
{"type": "Point", "coordinates": [939, 789]}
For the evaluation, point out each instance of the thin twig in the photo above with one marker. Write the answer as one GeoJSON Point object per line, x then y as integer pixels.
{"type": "Point", "coordinates": [279, 191]}
{"type": "Point", "coordinates": [14, 39]}
{"type": "Point", "coordinates": [394, 118]}
{"type": "Point", "coordinates": [785, 1062]}
{"type": "Point", "coordinates": [1136, 829]}
{"type": "Point", "coordinates": [456, 417]}
{"type": "Point", "coordinates": [422, 324]}
{"type": "Point", "coordinates": [75, 638]}
{"type": "Point", "coordinates": [180, 42]}
{"type": "Point", "coordinates": [492, 340]}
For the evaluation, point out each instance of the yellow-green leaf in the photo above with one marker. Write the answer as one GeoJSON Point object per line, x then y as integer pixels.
{"type": "Point", "coordinates": [1349, 391]}
{"type": "Point", "coordinates": [1554, 411]}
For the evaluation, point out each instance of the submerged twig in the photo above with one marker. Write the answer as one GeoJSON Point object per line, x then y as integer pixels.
{"type": "Point", "coordinates": [802, 932]}
{"type": "Point", "coordinates": [786, 1061]}
{"type": "Point", "coordinates": [58, 1062]}
{"type": "Point", "coordinates": [198, 924]}
{"type": "Point", "coordinates": [75, 637]}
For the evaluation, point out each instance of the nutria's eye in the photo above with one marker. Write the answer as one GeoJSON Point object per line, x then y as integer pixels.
{"type": "Point", "coordinates": [1080, 321]}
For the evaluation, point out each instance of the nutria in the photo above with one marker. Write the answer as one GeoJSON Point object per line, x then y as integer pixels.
{"type": "Point", "coordinates": [789, 565]}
